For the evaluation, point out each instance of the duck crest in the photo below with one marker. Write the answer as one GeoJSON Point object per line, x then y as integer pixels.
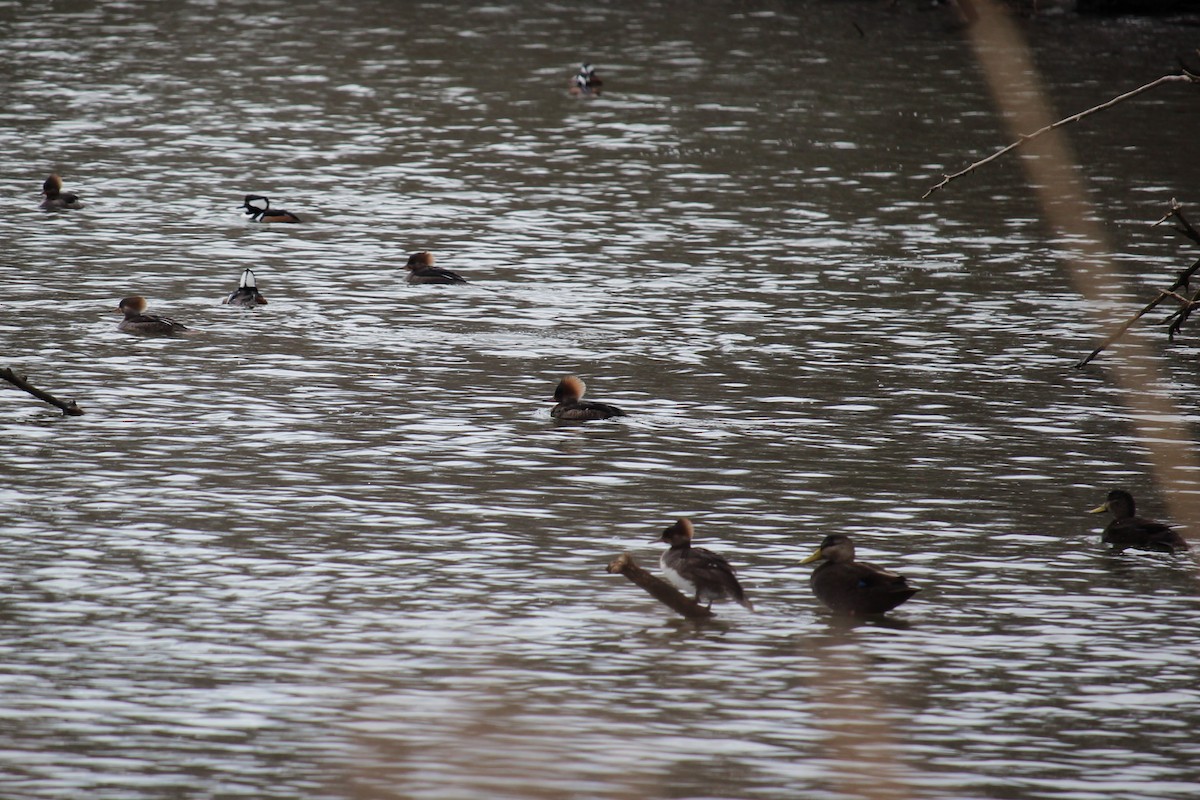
{"type": "Point", "coordinates": [247, 294]}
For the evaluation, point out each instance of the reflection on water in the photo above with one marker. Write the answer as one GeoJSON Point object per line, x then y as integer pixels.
{"type": "Point", "coordinates": [336, 547]}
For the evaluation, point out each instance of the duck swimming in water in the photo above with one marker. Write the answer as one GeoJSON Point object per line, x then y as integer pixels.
{"type": "Point", "coordinates": [136, 321]}
{"type": "Point", "coordinates": [697, 571]}
{"type": "Point", "coordinates": [571, 404]}
{"type": "Point", "coordinates": [846, 586]}
{"type": "Point", "coordinates": [421, 270]}
{"type": "Point", "coordinates": [586, 82]}
{"type": "Point", "coordinates": [1129, 530]}
{"type": "Point", "coordinates": [259, 209]}
{"type": "Point", "coordinates": [55, 197]}
{"type": "Point", "coordinates": [247, 294]}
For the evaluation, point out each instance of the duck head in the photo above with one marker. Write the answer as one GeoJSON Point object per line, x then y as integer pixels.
{"type": "Point", "coordinates": [836, 548]}
{"type": "Point", "coordinates": [131, 306]}
{"type": "Point", "coordinates": [678, 534]}
{"type": "Point", "coordinates": [1119, 502]}
{"type": "Point", "coordinates": [420, 260]}
{"type": "Point", "coordinates": [255, 203]}
{"type": "Point", "coordinates": [570, 389]}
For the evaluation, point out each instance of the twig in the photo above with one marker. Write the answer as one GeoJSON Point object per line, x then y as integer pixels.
{"type": "Point", "coordinates": [659, 589]}
{"type": "Point", "coordinates": [1184, 227]}
{"type": "Point", "coordinates": [1175, 321]}
{"type": "Point", "coordinates": [1184, 76]}
{"type": "Point", "coordinates": [1180, 281]}
{"type": "Point", "coordinates": [69, 408]}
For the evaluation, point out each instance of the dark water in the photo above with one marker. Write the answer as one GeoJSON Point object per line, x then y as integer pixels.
{"type": "Point", "coordinates": [335, 547]}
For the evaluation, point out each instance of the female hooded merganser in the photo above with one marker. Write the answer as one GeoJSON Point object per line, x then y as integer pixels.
{"type": "Point", "coordinates": [846, 586]}
{"type": "Point", "coordinates": [587, 81]}
{"type": "Point", "coordinates": [569, 394]}
{"type": "Point", "coordinates": [145, 324]}
{"type": "Point", "coordinates": [56, 198]}
{"type": "Point", "coordinates": [265, 213]}
{"type": "Point", "coordinates": [247, 294]}
{"type": "Point", "coordinates": [695, 570]}
{"type": "Point", "coordinates": [421, 270]}
{"type": "Point", "coordinates": [1129, 530]}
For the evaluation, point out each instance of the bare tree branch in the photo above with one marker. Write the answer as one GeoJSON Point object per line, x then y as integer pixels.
{"type": "Point", "coordinates": [1184, 76]}
{"type": "Point", "coordinates": [69, 408]}
{"type": "Point", "coordinates": [1184, 227]}
{"type": "Point", "coordinates": [659, 589]}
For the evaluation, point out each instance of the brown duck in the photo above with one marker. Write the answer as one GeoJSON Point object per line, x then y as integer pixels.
{"type": "Point", "coordinates": [571, 405]}
{"type": "Point", "coordinates": [697, 571]}
{"type": "Point", "coordinates": [846, 586]}
{"type": "Point", "coordinates": [1129, 530]}
{"type": "Point", "coordinates": [138, 321]}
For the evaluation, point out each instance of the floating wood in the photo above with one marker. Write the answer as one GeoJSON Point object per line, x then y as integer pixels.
{"type": "Point", "coordinates": [659, 589]}
{"type": "Point", "coordinates": [69, 408]}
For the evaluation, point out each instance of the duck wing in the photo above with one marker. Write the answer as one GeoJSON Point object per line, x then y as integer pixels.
{"type": "Point", "coordinates": [705, 566]}
{"type": "Point", "coordinates": [860, 588]}
{"type": "Point", "coordinates": [1144, 534]}
{"type": "Point", "coordinates": [586, 409]}
{"type": "Point", "coordinates": [435, 275]}
{"type": "Point", "coordinates": [166, 322]}
{"type": "Point", "coordinates": [708, 561]}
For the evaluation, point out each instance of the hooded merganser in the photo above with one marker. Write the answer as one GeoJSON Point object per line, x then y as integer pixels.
{"type": "Point", "coordinates": [697, 571]}
{"type": "Point", "coordinates": [56, 198]}
{"type": "Point", "coordinates": [569, 394]}
{"type": "Point", "coordinates": [421, 270]}
{"type": "Point", "coordinates": [145, 324]}
{"type": "Point", "coordinates": [1129, 530]}
{"type": "Point", "coordinates": [846, 586]}
{"type": "Point", "coordinates": [265, 213]}
{"type": "Point", "coordinates": [586, 82]}
{"type": "Point", "coordinates": [247, 294]}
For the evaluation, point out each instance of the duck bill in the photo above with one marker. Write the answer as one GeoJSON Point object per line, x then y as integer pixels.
{"type": "Point", "coordinates": [1099, 509]}
{"type": "Point", "coordinates": [817, 556]}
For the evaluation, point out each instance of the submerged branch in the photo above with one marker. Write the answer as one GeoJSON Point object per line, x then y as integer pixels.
{"type": "Point", "coordinates": [69, 408]}
{"type": "Point", "coordinates": [659, 589]}
{"type": "Point", "coordinates": [1184, 76]}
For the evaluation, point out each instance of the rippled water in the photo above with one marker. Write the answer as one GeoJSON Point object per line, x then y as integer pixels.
{"type": "Point", "coordinates": [336, 547]}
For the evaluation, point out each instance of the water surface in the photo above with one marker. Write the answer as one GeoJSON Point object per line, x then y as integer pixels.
{"type": "Point", "coordinates": [335, 547]}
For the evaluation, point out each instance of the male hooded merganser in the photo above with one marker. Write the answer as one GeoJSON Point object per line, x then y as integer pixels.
{"type": "Point", "coordinates": [569, 394]}
{"type": "Point", "coordinates": [421, 270]}
{"type": "Point", "coordinates": [265, 213]}
{"type": "Point", "coordinates": [145, 324]}
{"type": "Point", "coordinates": [56, 198]}
{"type": "Point", "coordinates": [846, 586]}
{"type": "Point", "coordinates": [247, 294]}
{"type": "Point", "coordinates": [697, 571]}
{"type": "Point", "coordinates": [1129, 530]}
{"type": "Point", "coordinates": [587, 81]}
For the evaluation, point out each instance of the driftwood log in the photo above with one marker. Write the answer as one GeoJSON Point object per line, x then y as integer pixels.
{"type": "Point", "coordinates": [69, 408]}
{"type": "Point", "coordinates": [659, 589]}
